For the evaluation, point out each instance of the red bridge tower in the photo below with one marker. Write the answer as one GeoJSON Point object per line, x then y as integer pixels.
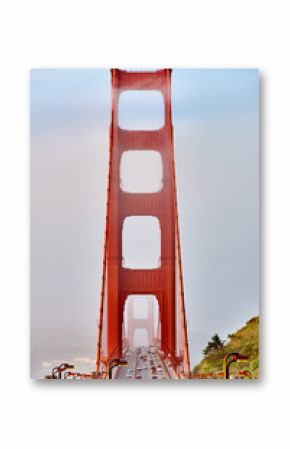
{"type": "Point", "coordinates": [165, 282]}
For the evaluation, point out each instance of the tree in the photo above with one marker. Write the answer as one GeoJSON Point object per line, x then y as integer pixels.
{"type": "Point", "coordinates": [213, 345]}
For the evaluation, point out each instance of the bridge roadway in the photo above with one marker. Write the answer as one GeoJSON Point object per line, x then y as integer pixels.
{"type": "Point", "coordinates": [143, 363]}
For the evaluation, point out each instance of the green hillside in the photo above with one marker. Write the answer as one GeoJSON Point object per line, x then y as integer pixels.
{"type": "Point", "coordinates": [246, 342]}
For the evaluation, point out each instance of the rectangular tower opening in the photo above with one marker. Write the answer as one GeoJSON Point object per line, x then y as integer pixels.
{"type": "Point", "coordinates": [141, 242]}
{"type": "Point", "coordinates": [141, 307]}
{"type": "Point", "coordinates": [141, 109]}
{"type": "Point", "coordinates": [141, 171]}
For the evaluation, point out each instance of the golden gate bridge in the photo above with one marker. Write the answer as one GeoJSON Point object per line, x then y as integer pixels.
{"type": "Point", "coordinates": [167, 353]}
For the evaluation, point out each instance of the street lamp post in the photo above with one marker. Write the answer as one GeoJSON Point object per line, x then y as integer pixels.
{"type": "Point", "coordinates": [57, 370]}
{"type": "Point", "coordinates": [231, 358]}
{"type": "Point", "coordinates": [116, 362]}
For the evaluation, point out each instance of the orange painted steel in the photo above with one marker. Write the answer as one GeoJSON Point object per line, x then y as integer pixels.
{"type": "Point", "coordinates": [119, 282]}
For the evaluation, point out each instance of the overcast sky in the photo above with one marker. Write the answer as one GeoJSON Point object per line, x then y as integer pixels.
{"type": "Point", "coordinates": [216, 132]}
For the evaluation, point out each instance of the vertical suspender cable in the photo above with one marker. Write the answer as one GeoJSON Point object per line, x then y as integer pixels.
{"type": "Point", "coordinates": [177, 233]}
{"type": "Point", "coordinates": [104, 267]}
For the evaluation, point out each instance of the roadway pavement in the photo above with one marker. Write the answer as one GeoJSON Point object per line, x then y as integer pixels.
{"type": "Point", "coordinates": [144, 363]}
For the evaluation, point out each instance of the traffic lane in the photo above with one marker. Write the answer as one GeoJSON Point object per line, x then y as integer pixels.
{"type": "Point", "coordinates": [143, 363]}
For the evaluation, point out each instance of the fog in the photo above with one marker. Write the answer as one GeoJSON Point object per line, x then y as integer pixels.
{"type": "Point", "coordinates": [216, 132]}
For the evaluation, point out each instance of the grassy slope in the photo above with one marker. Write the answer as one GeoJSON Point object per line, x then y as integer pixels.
{"type": "Point", "coordinates": [245, 341]}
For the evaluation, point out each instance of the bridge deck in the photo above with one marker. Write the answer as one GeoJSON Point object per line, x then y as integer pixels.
{"type": "Point", "coordinates": [144, 363]}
